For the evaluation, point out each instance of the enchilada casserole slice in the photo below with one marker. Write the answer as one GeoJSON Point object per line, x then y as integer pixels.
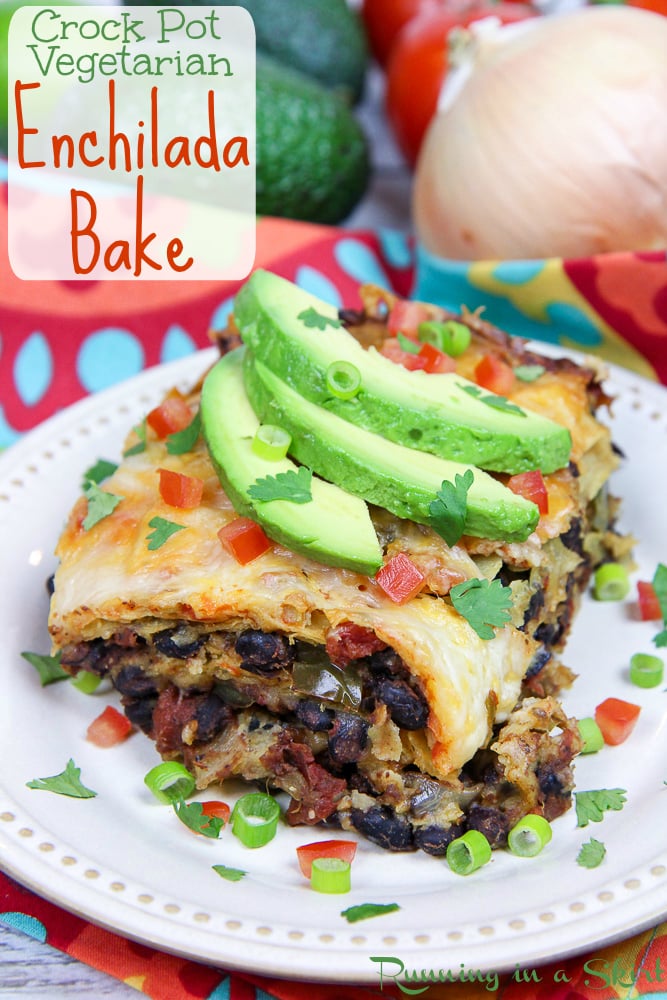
{"type": "Point", "coordinates": [397, 720]}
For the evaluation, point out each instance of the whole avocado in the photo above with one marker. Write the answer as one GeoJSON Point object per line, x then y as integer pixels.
{"type": "Point", "coordinates": [312, 156]}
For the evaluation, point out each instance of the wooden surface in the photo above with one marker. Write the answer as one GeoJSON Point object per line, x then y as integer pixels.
{"type": "Point", "coordinates": [29, 969]}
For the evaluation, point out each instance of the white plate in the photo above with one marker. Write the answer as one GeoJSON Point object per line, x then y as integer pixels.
{"type": "Point", "coordinates": [126, 863]}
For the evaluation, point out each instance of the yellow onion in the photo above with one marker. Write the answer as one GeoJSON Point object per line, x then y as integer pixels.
{"type": "Point", "coordinates": [550, 140]}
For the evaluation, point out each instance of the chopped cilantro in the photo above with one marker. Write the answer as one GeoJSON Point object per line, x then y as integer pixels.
{"type": "Point", "coordinates": [447, 513]}
{"type": "Point", "coordinates": [231, 874]}
{"type": "Point", "coordinates": [312, 318]}
{"type": "Point", "coordinates": [291, 485]}
{"type": "Point", "coordinates": [182, 441]}
{"type": "Point", "coordinates": [365, 910]}
{"type": "Point", "coordinates": [48, 667]}
{"type": "Point", "coordinates": [408, 345]}
{"type": "Point", "coordinates": [660, 588]}
{"type": "Point", "coordinates": [140, 432]}
{"type": "Point", "coordinates": [99, 472]}
{"type": "Point", "coordinates": [193, 816]}
{"type": "Point", "coordinates": [66, 783]}
{"type": "Point", "coordinates": [591, 854]}
{"type": "Point", "coordinates": [591, 806]}
{"type": "Point", "coordinates": [162, 530]}
{"type": "Point", "coordinates": [484, 604]}
{"type": "Point", "coordinates": [100, 504]}
{"type": "Point", "coordinates": [490, 399]}
{"type": "Point", "coordinates": [528, 373]}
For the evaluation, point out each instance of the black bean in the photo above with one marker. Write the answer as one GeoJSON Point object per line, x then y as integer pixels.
{"type": "Point", "coordinates": [384, 827]}
{"type": "Point", "coordinates": [180, 643]}
{"type": "Point", "coordinates": [87, 656]}
{"type": "Point", "coordinates": [386, 661]}
{"type": "Point", "coordinates": [549, 634]}
{"type": "Point", "coordinates": [435, 839]}
{"type": "Point", "coordinates": [314, 716]}
{"type": "Point", "coordinates": [133, 682]}
{"type": "Point", "coordinates": [573, 538]}
{"type": "Point", "coordinates": [549, 782]}
{"type": "Point", "coordinates": [535, 606]}
{"type": "Point", "coordinates": [51, 584]}
{"type": "Point", "coordinates": [140, 713]}
{"type": "Point", "coordinates": [407, 707]}
{"type": "Point", "coordinates": [539, 661]}
{"type": "Point", "coordinates": [493, 823]}
{"type": "Point", "coordinates": [212, 715]}
{"type": "Point", "coordinates": [263, 652]}
{"type": "Point", "coordinates": [348, 739]}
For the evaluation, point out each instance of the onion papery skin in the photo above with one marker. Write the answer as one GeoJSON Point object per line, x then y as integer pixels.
{"type": "Point", "coordinates": [555, 145]}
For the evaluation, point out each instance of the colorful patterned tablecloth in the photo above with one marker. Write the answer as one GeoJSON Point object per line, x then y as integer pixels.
{"type": "Point", "coordinates": [60, 341]}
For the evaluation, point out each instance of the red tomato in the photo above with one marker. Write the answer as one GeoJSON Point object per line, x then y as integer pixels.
{"type": "Point", "coordinates": [392, 349]}
{"type": "Point", "coordinates": [616, 719]}
{"type": "Point", "coordinates": [383, 20]}
{"type": "Point", "coordinates": [418, 64]}
{"type": "Point", "coordinates": [180, 491]}
{"type": "Point", "coordinates": [109, 728]}
{"type": "Point", "coordinates": [218, 809]}
{"type": "Point", "coordinates": [436, 361]}
{"type": "Point", "coordinates": [405, 317]}
{"type": "Point", "coordinates": [344, 850]}
{"type": "Point", "coordinates": [244, 539]}
{"type": "Point", "coordinates": [495, 375]}
{"type": "Point", "coordinates": [172, 415]}
{"type": "Point", "coordinates": [400, 579]}
{"type": "Point", "coordinates": [657, 6]}
{"type": "Point", "coordinates": [531, 486]}
{"type": "Point", "coordinates": [649, 605]}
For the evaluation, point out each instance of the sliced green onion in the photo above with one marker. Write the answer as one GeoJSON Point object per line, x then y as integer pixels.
{"type": "Point", "coordinates": [85, 681]}
{"type": "Point", "coordinates": [646, 671]}
{"type": "Point", "coordinates": [451, 337]}
{"type": "Point", "coordinates": [330, 875]}
{"type": "Point", "coordinates": [468, 853]}
{"type": "Point", "coordinates": [611, 582]}
{"type": "Point", "coordinates": [170, 782]}
{"type": "Point", "coordinates": [343, 379]}
{"type": "Point", "coordinates": [529, 836]}
{"type": "Point", "coordinates": [271, 442]}
{"type": "Point", "coordinates": [255, 819]}
{"type": "Point", "coordinates": [591, 735]}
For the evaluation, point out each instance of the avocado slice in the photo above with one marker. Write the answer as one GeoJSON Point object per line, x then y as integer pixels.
{"type": "Point", "coordinates": [298, 336]}
{"type": "Point", "coordinates": [399, 479]}
{"type": "Point", "coordinates": [335, 528]}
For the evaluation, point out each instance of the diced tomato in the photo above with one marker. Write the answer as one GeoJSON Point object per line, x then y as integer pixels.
{"type": "Point", "coordinates": [405, 317]}
{"type": "Point", "coordinates": [109, 728]}
{"type": "Point", "coordinates": [400, 579]}
{"type": "Point", "coordinates": [392, 349]}
{"type": "Point", "coordinates": [437, 362]}
{"type": "Point", "coordinates": [495, 375]}
{"type": "Point", "coordinates": [172, 415]}
{"type": "Point", "coordinates": [180, 491]}
{"type": "Point", "coordinates": [649, 605]}
{"type": "Point", "coordinates": [218, 809]}
{"type": "Point", "coordinates": [344, 850]}
{"type": "Point", "coordinates": [244, 539]}
{"type": "Point", "coordinates": [531, 486]}
{"type": "Point", "coordinates": [616, 719]}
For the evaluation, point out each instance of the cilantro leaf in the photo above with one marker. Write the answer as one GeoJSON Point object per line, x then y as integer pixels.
{"type": "Point", "coordinates": [528, 373]}
{"type": "Point", "coordinates": [483, 604]}
{"type": "Point", "coordinates": [312, 318]}
{"type": "Point", "coordinates": [291, 485]}
{"type": "Point", "coordinates": [408, 345]}
{"type": "Point", "coordinates": [140, 432]}
{"type": "Point", "coordinates": [661, 638]}
{"type": "Point", "coordinates": [491, 399]}
{"type": "Point", "coordinates": [365, 910]}
{"type": "Point", "coordinates": [66, 783]}
{"type": "Point", "coordinates": [193, 816]}
{"type": "Point", "coordinates": [162, 530]}
{"type": "Point", "coordinates": [185, 440]}
{"type": "Point", "coordinates": [591, 854]}
{"type": "Point", "coordinates": [660, 588]}
{"type": "Point", "coordinates": [100, 504]}
{"type": "Point", "coordinates": [591, 806]}
{"type": "Point", "coordinates": [447, 513]}
{"type": "Point", "coordinates": [99, 472]}
{"type": "Point", "coordinates": [48, 667]}
{"type": "Point", "coordinates": [230, 874]}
